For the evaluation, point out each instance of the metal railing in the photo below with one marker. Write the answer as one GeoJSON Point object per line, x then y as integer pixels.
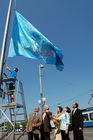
{"type": "Point", "coordinates": [6, 134]}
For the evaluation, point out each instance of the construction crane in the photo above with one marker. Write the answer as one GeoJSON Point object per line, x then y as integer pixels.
{"type": "Point", "coordinates": [90, 98]}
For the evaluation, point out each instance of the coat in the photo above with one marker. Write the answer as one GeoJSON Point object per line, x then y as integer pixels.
{"type": "Point", "coordinates": [77, 119]}
{"type": "Point", "coordinates": [46, 122]}
{"type": "Point", "coordinates": [37, 121]}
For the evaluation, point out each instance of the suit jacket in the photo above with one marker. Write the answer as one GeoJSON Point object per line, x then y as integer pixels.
{"type": "Point", "coordinates": [77, 119]}
{"type": "Point", "coordinates": [37, 120]}
{"type": "Point", "coordinates": [46, 122]}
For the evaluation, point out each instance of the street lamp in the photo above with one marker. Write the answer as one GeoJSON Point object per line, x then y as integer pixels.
{"type": "Point", "coordinates": [42, 102]}
{"type": "Point", "coordinates": [42, 99]}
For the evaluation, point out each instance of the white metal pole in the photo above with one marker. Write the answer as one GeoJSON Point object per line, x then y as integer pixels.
{"type": "Point", "coordinates": [4, 41]}
{"type": "Point", "coordinates": [41, 94]}
{"type": "Point", "coordinates": [6, 117]}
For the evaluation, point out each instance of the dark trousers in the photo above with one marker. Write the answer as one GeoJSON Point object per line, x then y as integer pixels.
{"type": "Point", "coordinates": [11, 86]}
{"type": "Point", "coordinates": [47, 135]}
{"type": "Point", "coordinates": [78, 135]}
{"type": "Point", "coordinates": [42, 132]}
{"type": "Point", "coordinates": [31, 135]}
{"type": "Point", "coordinates": [64, 136]}
{"type": "Point", "coordinates": [44, 135]}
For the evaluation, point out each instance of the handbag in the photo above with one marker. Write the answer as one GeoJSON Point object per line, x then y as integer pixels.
{"type": "Point", "coordinates": [57, 123]}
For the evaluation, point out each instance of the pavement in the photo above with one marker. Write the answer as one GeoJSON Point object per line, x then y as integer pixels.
{"type": "Point", "coordinates": [88, 135]}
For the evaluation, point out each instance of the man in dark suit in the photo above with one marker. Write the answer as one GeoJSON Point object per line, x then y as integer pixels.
{"type": "Point", "coordinates": [34, 122]}
{"type": "Point", "coordinates": [77, 122]}
{"type": "Point", "coordinates": [46, 127]}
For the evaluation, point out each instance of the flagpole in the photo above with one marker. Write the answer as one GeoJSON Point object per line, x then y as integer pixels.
{"type": "Point", "coordinates": [4, 41]}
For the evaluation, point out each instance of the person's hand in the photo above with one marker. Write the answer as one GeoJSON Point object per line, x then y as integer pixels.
{"type": "Point", "coordinates": [54, 121]}
{"type": "Point", "coordinates": [33, 125]}
{"type": "Point", "coordinates": [66, 131]}
{"type": "Point", "coordinates": [80, 129]}
{"type": "Point", "coordinates": [7, 67]}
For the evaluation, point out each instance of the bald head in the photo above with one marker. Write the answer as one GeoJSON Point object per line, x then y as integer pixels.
{"type": "Point", "coordinates": [75, 105]}
{"type": "Point", "coordinates": [36, 109]}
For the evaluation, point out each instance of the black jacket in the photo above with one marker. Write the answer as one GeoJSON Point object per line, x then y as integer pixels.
{"type": "Point", "coordinates": [77, 119]}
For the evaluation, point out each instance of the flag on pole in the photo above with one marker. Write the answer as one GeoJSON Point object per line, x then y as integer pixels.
{"type": "Point", "coordinates": [27, 41]}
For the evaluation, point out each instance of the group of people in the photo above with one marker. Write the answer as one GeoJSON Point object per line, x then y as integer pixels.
{"type": "Point", "coordinates": [39, 125]}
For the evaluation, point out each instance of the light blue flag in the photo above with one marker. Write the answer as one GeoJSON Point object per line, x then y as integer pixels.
{"type": "Point", "coordinates": [29, 42]}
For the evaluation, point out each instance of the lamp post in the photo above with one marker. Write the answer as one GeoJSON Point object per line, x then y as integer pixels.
{"type": "Point", "coordinates": [42, 100]}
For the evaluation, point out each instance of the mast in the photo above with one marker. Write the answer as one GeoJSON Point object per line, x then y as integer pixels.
{"type": "Point", "coordinates": [4, 41]}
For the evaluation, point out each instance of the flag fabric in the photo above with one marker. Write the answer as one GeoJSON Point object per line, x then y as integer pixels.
{"type": "Point", "coordinates": [27, 41]}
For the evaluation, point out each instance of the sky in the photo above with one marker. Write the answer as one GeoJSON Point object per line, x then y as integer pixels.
{"type": "Point", "coordinates": [68, 24]}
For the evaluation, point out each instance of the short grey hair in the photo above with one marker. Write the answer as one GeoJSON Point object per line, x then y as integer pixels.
{"type": "Point", "coordinates": [47, 106]}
